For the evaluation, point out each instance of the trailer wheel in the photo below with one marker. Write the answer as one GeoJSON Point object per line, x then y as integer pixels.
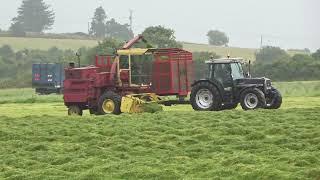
{"type": "Point", "coordinates": [75, 111]}
{"type": "Point", "coordinates": [252, 98]}
{"type": "Point", "coordinates": [109, 103]}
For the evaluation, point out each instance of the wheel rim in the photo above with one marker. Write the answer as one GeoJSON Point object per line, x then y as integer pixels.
{"type": "Point", "coordinates": [251, 100]}
{"type": "Point", "coordinates": [108, 106]}
{"type": "Point", "coordinates": [204, 98]}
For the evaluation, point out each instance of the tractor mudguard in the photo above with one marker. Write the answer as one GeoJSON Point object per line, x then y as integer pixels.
{"type": "Point", "coordinates": [214, 82]}
{"type": "Point", "coordinates": [247, 86]}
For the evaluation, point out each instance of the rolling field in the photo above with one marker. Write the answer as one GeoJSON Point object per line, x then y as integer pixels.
{"type": "Point", "coordinates": [45, 44]}
{"type": "Point", "coordinates": [38, 140]}
{"type": "Point", "coordinates": [75, 44]}
{"type": "Point", "coordinates": [245, 53]}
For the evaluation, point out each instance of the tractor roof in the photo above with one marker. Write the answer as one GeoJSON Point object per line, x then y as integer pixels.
{"type": "Point", "coordinates": [225, 61]}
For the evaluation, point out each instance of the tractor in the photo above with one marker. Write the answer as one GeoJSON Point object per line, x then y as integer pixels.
{"type": "Point", "coordinates": [227, 85]}
{"type": "Point", "coordinates": [124, 81]}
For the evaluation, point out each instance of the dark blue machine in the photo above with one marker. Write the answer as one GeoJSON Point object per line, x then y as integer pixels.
{"type": "Point", "coordinates": [47, 78]}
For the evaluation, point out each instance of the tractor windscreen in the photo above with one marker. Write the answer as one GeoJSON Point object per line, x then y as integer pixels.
{"type": "Point", "coordinates": [237, 71]}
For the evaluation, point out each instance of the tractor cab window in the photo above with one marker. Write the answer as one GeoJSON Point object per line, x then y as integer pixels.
{"type": "Point", "coordinates": [236, 71]}
{"type": "Point", "coordinates": [222, 73]}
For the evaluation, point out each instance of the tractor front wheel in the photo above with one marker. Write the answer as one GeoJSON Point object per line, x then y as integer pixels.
{"type": "Point", "coordinates": [109, 103]}
{"type": "Point", "coordinates": [75, 111]}
{"type": "Point", "coordinates": [252, 98]}
{"type": "Point", "coordinates": [274, 100]}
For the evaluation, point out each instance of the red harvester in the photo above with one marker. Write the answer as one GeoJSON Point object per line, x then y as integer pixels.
{"type": "Point", "coordinates": [123, 82]}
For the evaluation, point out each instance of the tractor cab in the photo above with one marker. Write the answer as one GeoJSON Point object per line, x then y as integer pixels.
{"type": "Point", "coordinates": [227, 85]}
{"type": "Point", "coordinates": [226, 71]}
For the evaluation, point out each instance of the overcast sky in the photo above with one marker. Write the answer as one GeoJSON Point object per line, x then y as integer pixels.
{"type": "Point", "coordinates": [284, 23]}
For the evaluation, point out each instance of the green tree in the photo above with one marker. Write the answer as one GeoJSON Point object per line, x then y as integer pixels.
{"type": "Point", "coordinates": [316, 55]}
{"type": "Point", "coordinates": [6, 51]}
{"type": "Point", "coordinates": [106, 47]}
{"type": "Point", "coordinates": [217, 38]}
{"type": "Point", "coordinates": [118, 31]}
{"type": "Point", "coordinates": [161, 37]}
{"type": "Point", "coordinates": [33, 16]}
{"type": "Point", "coordinates": [269, 54]}
{"type": "Point", "coordinates": [16, 29]}
{"type": "Point", "coordinates": [98, 24]}
{"type": "Point", "coordinates": [200, 67]}
{"type": "Point", "coordinates": [302, 57]}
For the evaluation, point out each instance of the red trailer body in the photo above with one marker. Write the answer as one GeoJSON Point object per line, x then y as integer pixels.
{"type": "Point", "coordinates": [172, 72]}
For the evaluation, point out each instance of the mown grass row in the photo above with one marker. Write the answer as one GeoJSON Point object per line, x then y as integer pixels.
{"type": "Point", "coordinates": [288, 89]}
{"type": "Point", "coordinates": [26, 95]}
{"type": "Point", "coordinates": [282, 144]}
{"type": "Point", "coordinates": [299, 88]}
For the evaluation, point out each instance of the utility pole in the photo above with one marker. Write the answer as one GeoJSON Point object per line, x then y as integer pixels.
{"type": "Point", "coordinates": [131, 19]}
{"type": "Point", "coordinates": [261, 47]}
{"type": "Point", "coordinates": [88, 28]}
{"type": "Point", "coordinates": [261, 42]}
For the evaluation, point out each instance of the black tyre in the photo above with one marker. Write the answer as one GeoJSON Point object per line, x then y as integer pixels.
{"type": "Point", "coordinates": [229, 106]}
{"type": "Point", "coordinates": [252, 98]}
{"type": "Point", "coordinates": [109, 103]}
{"type": "Point", "coordinates": [205, 97]}
{"type": "Point", "coordinates": [274, 100]}
{"type": "Point", "coordinates": [75, 111]}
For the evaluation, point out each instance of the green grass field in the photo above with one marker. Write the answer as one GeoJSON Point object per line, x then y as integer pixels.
{"type": "Point", "coordinates": [45, 44]}
{"type": "Point", "coordinates": [39, 141]}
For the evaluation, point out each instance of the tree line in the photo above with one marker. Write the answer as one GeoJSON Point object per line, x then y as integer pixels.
{"type": "Point", "coordinates": [35, 16]}
{"type": "Point", "coordinates": [275, 63]}
{"type": "Point", "coordinates": [271, 62]}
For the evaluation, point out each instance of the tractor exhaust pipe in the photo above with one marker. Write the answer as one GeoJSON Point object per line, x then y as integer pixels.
{"type": "Point", "coordinates": [79, 60]}
{"type": "Point", "coordinates": [249, 73]}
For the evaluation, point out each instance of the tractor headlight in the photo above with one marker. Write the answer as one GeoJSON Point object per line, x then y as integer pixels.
{"type": "Point", "coordinates": [268, 84]}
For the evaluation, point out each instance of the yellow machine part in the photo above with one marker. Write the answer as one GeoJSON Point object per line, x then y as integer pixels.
{"type": "Point", "coordinates": [132, 51]}
{"type": "Point", "coordinates": [134, 103]}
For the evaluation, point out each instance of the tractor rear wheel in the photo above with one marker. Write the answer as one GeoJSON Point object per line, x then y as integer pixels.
{"type": "Point", "coordinates": [109, 103]}
{"type": "Point", "coordinates": [274, 100]}
{"type": "Point", "coordinates": [205, 97]}
{"type": "Point", "coordinates": [252, 98]}
{"type": "Point", "coordinates": [75, 111]}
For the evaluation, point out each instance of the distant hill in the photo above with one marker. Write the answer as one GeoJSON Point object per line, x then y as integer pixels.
{"type": "Point", "coordinates": [74, 44]}
{"type": "Point", "coordinates": [246, 53]}
{"type": "Point", "coordinates": [43, 44]}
